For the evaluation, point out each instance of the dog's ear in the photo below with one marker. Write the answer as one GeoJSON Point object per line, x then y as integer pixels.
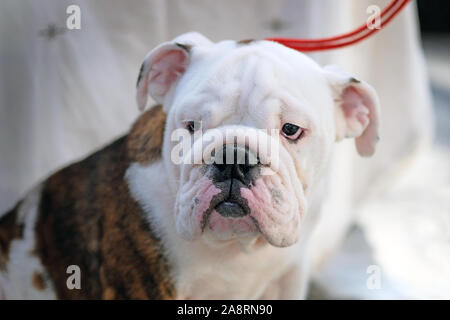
{"type": "Point", "coordinates": [164, 65]}
{"type": "Point", "coordinates": [357, 110]}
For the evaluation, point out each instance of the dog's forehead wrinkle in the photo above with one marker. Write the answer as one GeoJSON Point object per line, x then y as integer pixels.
{"type": "Point", "coordinates": [201, 106]}
{"type": "Point", "coordinates": [252, 92]}
{"type": "Point", "coordinates": [249, 85]}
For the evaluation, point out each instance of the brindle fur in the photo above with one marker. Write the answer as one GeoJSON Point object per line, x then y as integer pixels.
{"type": "Point", "coordinates": [10, 229]}
{"type": "Point", "coordinates": [88, 218]}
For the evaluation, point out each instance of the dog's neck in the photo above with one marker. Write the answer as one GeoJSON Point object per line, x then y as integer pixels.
{"type": "Point", "coordinates": [197, 266]}
{"type": "Point", "coordinates": [200, 263]}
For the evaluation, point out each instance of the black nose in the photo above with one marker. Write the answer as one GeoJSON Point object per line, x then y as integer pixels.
{"type": "Point", "coordinates": [236, 162]}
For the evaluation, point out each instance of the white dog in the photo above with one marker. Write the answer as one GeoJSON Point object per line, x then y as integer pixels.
{"type": "Point", "coordinates": [140, 224]}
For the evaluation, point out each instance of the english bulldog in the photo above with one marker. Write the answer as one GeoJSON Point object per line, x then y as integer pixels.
{"type": "Point", "coordinates": [208, 213]}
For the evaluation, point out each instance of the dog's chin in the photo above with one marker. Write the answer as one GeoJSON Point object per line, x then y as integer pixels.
{"type": "Point", "coordinates": [266, 210]}
{"type": "Point", "coordinates": [224, 228]}
{"type": "Point", "coordinates": [234, 222]}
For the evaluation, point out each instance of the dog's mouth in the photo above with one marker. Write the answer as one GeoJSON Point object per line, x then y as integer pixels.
{"type": "Point", "coordinates": [230, 209]}
{"type": "Point", "coordinates": [233, 205]}
{"type": "Point", "coordinates": [226, 210]}
{"type": "Point", "coordinates": [230, 220]}
{"type": "Point", "coordinates": [228, 204]}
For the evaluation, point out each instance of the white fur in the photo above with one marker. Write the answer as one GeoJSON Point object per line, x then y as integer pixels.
{"type": "Point", "coordinates": [204, 272]}
{"type": "Point", "coordinates": [16, 282]}
{"type": "Point", "coordinates": [261, 85]}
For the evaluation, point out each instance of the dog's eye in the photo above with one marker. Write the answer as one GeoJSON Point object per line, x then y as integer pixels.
{"type": "Point", "coordinates": [291, 131]}
{"type": "Point", "coordinates": [191, 126]}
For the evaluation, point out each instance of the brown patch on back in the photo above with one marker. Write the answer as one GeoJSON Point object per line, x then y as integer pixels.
{"type": "Point", "coordinates": [145, 138]}
{"type": "Point", "coordinates": [38, 281]}
{"type": "Point", "coordinates": [246, 41]}
{"type": "Point", "coordinates": [88, 218]}
{"type": "Point", "coordinates": [9, 230]}
{"type": "Point", "coordinates": [109, 294]}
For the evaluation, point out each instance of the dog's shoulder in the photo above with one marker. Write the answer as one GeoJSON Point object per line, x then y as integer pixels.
{"type": "Point", "coordinates": [144, 141]}
{"type": "Point", "coordinates": [87, 218]}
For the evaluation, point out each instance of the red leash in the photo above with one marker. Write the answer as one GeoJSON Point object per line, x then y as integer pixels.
{"type": "Point", "coordinates": [345, 39]}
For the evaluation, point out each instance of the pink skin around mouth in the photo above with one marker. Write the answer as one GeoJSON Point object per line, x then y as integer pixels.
{"type": "Point", "coordinates": [273, 219]}
{"type": "Point", "coordinates": [276, 222]}
{"type": "Point", "coordinates": [216, 222]}
{"type": "Point", "coordinates": [221, 225]}
{"type": "Point", "coordinates": [257, 199]}
{"type": "Point", "coordinates": [203, 201]}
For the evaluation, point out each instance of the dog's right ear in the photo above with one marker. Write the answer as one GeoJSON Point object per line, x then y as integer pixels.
{"type": "Point", "coordinates": [164, 65]}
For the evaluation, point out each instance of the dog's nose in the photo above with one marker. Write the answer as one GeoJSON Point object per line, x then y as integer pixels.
{"type": "Point", "coordinates": [236, 162]}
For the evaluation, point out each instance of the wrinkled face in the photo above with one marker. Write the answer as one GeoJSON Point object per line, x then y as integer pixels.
{"type": "Point", "coordinates": [252, 147]}
{"type": "Point", "coordinates": [249, 131]}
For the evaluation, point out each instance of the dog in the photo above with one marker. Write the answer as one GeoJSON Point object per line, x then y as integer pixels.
{"type": "Point", "coordinates": [141, 219]}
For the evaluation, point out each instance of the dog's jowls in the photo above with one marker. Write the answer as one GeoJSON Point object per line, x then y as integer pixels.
{"type": "Point", "coordinates": [155, 217]}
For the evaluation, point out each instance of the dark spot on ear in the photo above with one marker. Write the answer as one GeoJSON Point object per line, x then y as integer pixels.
{"type": "Point", "coordinates": [185, 47]}
{"type": "Point", "coordinates": [354, 80]}
{"type": "Point", "coordinates": [245, 41]}
{"type": "Point", "coordinates": [141, 71]}
{"type": "Point", "coordinates": [38, 281]}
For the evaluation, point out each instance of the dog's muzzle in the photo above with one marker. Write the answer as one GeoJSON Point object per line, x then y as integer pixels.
{"type": "Point", "coordinates": [235, 167]}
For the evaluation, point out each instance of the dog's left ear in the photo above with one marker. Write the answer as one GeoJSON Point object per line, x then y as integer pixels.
{"type": "Point", "coordinates": [357, 110]}
{"type": "Point", "coordinates": [164, 65]}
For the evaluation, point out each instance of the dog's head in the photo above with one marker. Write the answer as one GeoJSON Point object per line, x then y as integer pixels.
{"type": "Point", "coordinates": [250, 128]}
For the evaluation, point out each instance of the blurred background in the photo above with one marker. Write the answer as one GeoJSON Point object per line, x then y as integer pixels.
{"type": "Point", "coordinates": [406, 229]}
{"type": "Point", "coordinates": [65, 93]}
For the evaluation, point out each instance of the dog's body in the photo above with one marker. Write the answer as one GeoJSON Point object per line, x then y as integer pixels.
{"type": "Point", "coordinates": [73, 218]}
{"type": "Point", "coordinates": [140, 225]}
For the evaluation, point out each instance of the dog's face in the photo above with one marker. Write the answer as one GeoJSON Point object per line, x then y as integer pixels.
{"type": "Point", "coordinates": [250, 129]}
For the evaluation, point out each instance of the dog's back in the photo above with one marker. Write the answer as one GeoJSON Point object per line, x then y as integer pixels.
{"type": "Point", "coordinates": [84, 216]}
